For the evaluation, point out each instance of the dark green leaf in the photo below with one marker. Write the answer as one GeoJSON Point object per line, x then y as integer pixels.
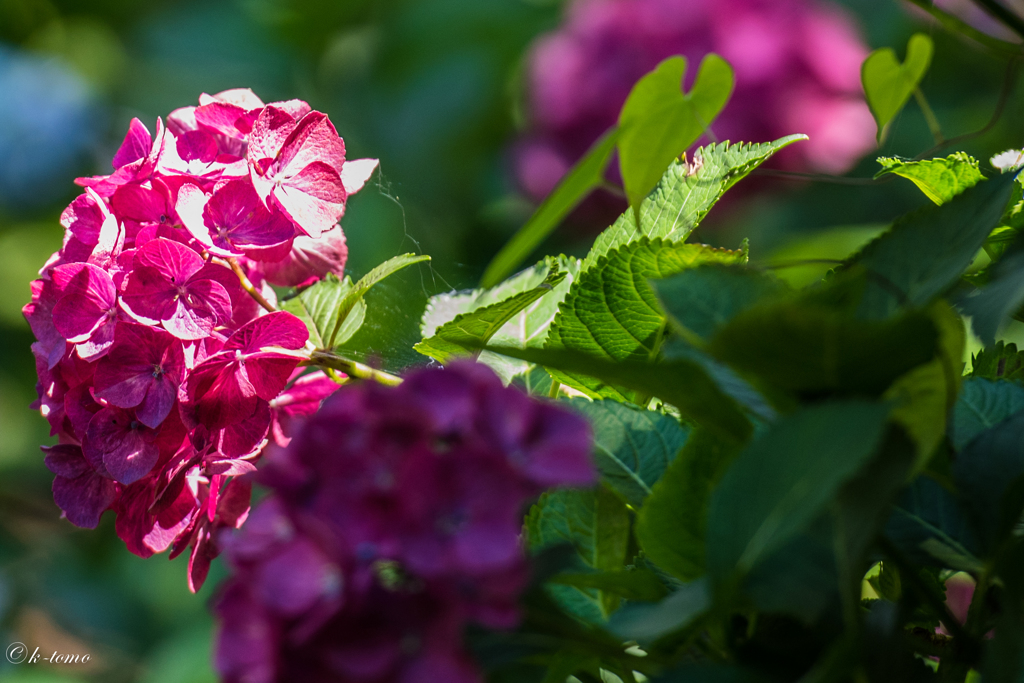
{"type": "Point", "coordinates": [632, 584]}
{"type": "Point", "coordinates": [611, 311]}
{"type": "Point", "coordinates": [785, 477]}
{"type": "Point", "coordinates": [659, 122]}
{"type": "Point", "coordinates": [982, 404]}
{"type": "Point", "coordinates": [888, 84]}
{"type": "Point", "coordinates": [700, 300]}
{"type": "Point", "coordinates": [356, 293]}
{"type": "Point", "coordinates": [645, 623]}
{"type": "Point", "coordinates": [928, 526]}
{"type": "Point", "coordinates": [991, 306]}
{"type": "Point", "coordinates": [940, 179]}
{"type": "Point", "coordinates": [681, 383]}
{"type": "Point", "coordinates": [926, 252]}
{"type": "Point", "coordinates": [587, 174]}
{"type": "Point", "coordinates": [632, 447]}
{"type": "Point", "coordinates": [672, 525]}
{"type": "Point", "coordinates": [595, 523]}
{"type": "Point", "coordinates": [804, 347]}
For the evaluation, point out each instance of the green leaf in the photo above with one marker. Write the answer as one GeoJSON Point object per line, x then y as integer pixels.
{"type": "Point", "coordinates": [785, 478]}
{"type": "Point", "coordinates": [985, 470]}
{"type": "Point", "coordinates": [991, 306]}
{"type": "Point", "coordinates": [801, 346]}
{"type": "Point", "coordinates": [983, 404]}
{"type": "Point", "coordinates": [680, 382]}
{"type": "Point", "coordinates": [928, 526]}
{"type": "Point", "coordinates": [632, 584]}
{"type": "Point", "coordinates": [925, 252]}
{"type": "Point", "coordinates": [659, 122]}
{"type": "Point", "coordinates": [888, 84]}
{"type": "Point", "coordinates": [587, 174]}
{"type": "Point", "coordinates": [479, 325]}
{"type": "Point", "coordinates": [686, 193]}
{"type": "Point", "coordinates": [356, 293]}
{"type": "Point", "coordinates": [632, 447]}
{"type": "Point", "coordinates": [940, 179]}
{"type": "Point", "coordinates": [645, 623]}
{"type": "Point", "coordinates": [611, 311]}
{"type": "Point", "coordinates": [700, 300]}
{"type": "Point", "coordinates": [923, 397]}
{"type": "Point", "coordinates": [595, 523]}
{"type": "Point", "coordinates": [999, 361]}
{"type": "Point", "coordinates": [527, 328]}
{"type": "Point", "coordinates": [317, 306]}
{"type": "Point", "coordinates": [672, 526]}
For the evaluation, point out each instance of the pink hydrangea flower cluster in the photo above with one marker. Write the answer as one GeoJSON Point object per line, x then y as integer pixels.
{"type": "Point", "coordinates": [158, 372]}
{"type": "Point", "coordinates": [797, 65]}
{"type": "Point", "coordinates": [394, 522]}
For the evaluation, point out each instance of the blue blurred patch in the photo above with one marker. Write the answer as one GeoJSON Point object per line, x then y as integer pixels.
{"type": "Point", "coordinates": [49, 120]}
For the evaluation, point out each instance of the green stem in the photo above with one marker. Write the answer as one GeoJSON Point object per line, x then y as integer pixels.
{"type": "Point", "coordinates": [556, 386]}
{"type": "Point", "coordinates": [352, 368]}
{"type": "Point", "coordinates": [248, 286]}
{"type": "Point", "coordinates": [929, 116]}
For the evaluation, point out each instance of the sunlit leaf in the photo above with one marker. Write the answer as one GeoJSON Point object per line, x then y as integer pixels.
{"type": "Point", "coordinates": [888, 84]}
{"type": "Point", "coordinates": [940, 179]}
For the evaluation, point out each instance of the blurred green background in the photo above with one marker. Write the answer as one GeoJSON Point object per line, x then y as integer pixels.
{"type": "Point", "coordinates": [431, 87]}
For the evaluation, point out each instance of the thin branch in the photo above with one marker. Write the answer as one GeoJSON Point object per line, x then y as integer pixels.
{"type": "Point", "coordinates": [1004, 96]}
{"type": "Point", "coordinates": [929, 116]}
{"type": "Point", "coordinates": [816, 177]}
{"type": "Point", "coordinates": [1003, 15]}
{"type": "Point", "coordinates": [248, 286]}
{"type": "Point", "coordinates": [957, 26]}
{"type": "Point", "coordinates": [352, 368]}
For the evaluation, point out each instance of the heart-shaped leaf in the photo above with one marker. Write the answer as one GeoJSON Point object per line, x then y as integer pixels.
{"type": "Point", "coordinates": [888, 84]}
{"type": "Point", "coordinates": [659, 121]}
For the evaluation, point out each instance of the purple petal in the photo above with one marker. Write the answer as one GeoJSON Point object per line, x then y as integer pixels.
{"type": "Point", "coordinates": [173, 260]}
{"type": "Point", "coordinates": [84, 499]}
{"type": "Point", "coordinates": [66, 460]}
{"type": "Point", "coordinates": [294, 579]}
{"type": "Point", "coordinates": [144, 366]}
{"type": "Point", "coordinates": [125, 444]}
{"type": "Point", "coordinates": [204, 305]}
{"type": "Point", "coordinates": [89, 298]}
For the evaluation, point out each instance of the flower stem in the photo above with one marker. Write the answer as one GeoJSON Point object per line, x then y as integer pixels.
{"type": "Point", "coordinates": [352, 368]}
{"type": "Point", "coordinates": [248, 286]}
{"type": "Point", "coordinates": [929, 116]}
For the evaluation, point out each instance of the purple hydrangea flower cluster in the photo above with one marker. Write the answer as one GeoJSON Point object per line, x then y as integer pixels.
{"type": "Point", "coordinates": [158, 372]}
{"type": "Point", "coordinates": [797, 65]}
{"type": "Point", "coordinates": [394, 522]}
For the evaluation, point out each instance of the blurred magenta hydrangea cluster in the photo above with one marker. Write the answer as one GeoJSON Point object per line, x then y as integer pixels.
{"type": "Point", "coordinates": [394, 522]}
{"type": "Point", "coordinates": [797, 65]}
{"type": "Point", "coordinates": [161, 376]}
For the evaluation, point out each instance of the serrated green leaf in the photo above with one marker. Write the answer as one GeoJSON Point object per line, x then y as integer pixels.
{"type": "Point", "coordinates": [925, 252]}
{"type": "Point", "coordinates": [686, 193]}
{"type": "Point", "coordinates": [888, 84]}
{"type": "Point", "coordinates": [928, 526]}
{"type": "Point", "coordinates": [671, 527]}
{"type": "Point", "coordinates": [999, 361]}
{"type": "Point", "coordinates": [611, 311]}
{"type": "Point", "coordinates": [317, 306]}
{"type": "Point", "coordinates": [632, 584]}
{"type": "Point", "coordinates": [659, 122]}
{"type": "Point", "coordinates": [983, 404]}
{"type": "Point", "coordinates": [583, 177]}
{"type": "Point", "coordinates": [992, 306]}
{"type": "Point", "coordinates": [801, 346]}
{"type": "Point", "coordinates": [595, 523]}
{"type": "Point", "coordinates": [785, 477]}
{"type": "Point", "coordinates": [699, 300]}
{"type": "Point", "coordinates": [632, 447]}
{"type": "Point", "coordinates": [355, 294]}
{"type": "Point", "coordinates": [681, 383]}
{"type": "Point", "coordinates": [479, 325]}
{"type": "Point", "coordinates": [940, 179]}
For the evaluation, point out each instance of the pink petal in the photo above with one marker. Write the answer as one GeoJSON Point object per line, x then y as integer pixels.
{"type": "Point", "coordinates": [314, 199]}
{"type": "Point", "coordinates": [144, 366]}
{"type": "Point", "coordinates": [309, 258]}
{"type": "Point", "coordinates": [269, 132]}
{"type": "Point", "coordinates": [204, 305]}
{"type": "Point", "coordinates": [173, 260]}
{"type": "Point", "coordinates": [218, 395]}
{"type": "Point", "coordinates": [355, 173]}
{"type": "Point", "coordinates": [136, 145]}
{"type": "Point", "coordinates": [314, 139]}
{"type": "Point", "coordinates": [88, 299]}
{"type": "Point", "coordinates": [280, 329]}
